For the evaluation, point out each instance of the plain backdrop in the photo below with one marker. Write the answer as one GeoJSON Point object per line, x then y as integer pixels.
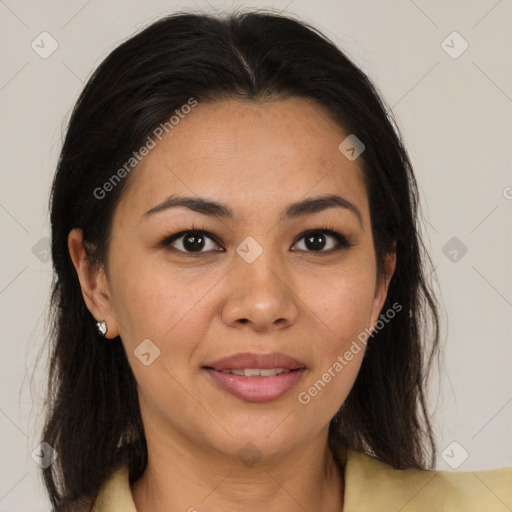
{"type": "Point", "coordinates": [451, 94]}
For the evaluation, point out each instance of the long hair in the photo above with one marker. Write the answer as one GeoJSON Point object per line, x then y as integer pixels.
{"type": "Point", "coordinates": [93, 419]}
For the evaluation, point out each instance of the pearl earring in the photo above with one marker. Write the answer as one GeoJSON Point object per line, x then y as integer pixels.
{"type": "Point", "coordinates": [102, 327]}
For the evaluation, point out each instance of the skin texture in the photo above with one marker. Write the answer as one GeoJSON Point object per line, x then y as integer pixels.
{"type": "Point", "coordinates": [257, 157]}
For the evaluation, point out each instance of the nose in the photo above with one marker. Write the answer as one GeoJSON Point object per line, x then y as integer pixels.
{"type": "Point", "coordinates": [260, 295]}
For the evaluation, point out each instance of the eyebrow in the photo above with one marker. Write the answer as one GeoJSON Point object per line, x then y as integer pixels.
{"type": "Point", "coordinates": [223, 211]}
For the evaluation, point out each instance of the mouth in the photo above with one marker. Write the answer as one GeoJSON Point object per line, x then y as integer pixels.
{"type": "Point", "coordinates": [256, 385]}
{"type": "Point", "coordinates": [252, 361]}
{"type": "Point", "coordinates": [254, 377]}
{"type": "Point", "coordinates": [256, 372]}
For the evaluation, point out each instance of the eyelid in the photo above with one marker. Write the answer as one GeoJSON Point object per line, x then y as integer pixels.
{"type": "Point", "coordinates": [176, 236]}
{"type": "Point", "coordinates": [341, 240]}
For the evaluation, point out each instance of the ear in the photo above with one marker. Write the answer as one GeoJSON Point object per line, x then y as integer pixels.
{"type": "Point", "coordinates": [93, 282]}
{"type": "Point", "coordinates": [382, 285]}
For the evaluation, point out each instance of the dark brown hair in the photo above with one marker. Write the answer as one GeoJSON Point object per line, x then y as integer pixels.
{"type": "Point", "coordinates": [93, 418]}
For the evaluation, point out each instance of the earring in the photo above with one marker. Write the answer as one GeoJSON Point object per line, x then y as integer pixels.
{"type": "Point", "coordinates": [102, 327]}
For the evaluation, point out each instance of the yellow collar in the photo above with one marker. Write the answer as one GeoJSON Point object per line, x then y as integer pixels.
{"type": "Point", "coordinates": [372, 486]}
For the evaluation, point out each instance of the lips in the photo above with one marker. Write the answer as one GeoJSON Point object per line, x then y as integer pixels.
{"type": "Point", "coordinates": [249, 360]}
{"type": "Point", "coordinates": [257, 372]}
{"type": "Point", "coordinates": [256, 377]}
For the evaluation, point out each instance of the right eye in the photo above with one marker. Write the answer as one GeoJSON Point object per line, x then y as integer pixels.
{"type": "Point", "coordinates": [191, 242]}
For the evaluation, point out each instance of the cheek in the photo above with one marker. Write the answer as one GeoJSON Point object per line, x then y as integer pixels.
{"type": "Point", "coordinates": [342, 310]}
{"type": "Point", "coordinates": [174, 310]}
{"type": "Point", "coordinates": [158, 306]}
{"type": "Point", "coordinates": [342, 301]}
{"type": "Point", "coordinates": [341, 305]}
{"type": "Point", "coordinates": [169, 311]}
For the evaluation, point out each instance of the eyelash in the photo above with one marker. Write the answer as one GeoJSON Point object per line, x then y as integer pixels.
{"type": "Point", "coordinates": [325, 229]}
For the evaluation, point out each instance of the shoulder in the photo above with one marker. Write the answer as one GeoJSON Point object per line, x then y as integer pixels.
{"type": "Point", "coordinates": [372, 485]}
{"type": "Point", "coordinates": [115, 495]}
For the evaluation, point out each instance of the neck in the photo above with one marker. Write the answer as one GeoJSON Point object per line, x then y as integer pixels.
{"type": "Point", "coordinates": [180, 476]}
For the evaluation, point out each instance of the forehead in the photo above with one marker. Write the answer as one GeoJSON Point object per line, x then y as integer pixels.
{"type": "Point", "coordinates": [254, 156]}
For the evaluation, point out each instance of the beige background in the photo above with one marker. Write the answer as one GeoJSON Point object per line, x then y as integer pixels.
{"type": "Point", "coordinates": [455, 114]}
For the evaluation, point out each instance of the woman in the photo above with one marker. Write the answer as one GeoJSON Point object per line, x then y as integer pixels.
{"type": "Point", "coordinates": [242, 316]}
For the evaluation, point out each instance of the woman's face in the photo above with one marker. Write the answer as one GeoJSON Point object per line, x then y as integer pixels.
{"type": "Point", "coordinates": [256, 283]}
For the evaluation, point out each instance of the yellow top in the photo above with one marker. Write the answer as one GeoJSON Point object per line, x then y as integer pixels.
{"type": "Point", "coordinates": [372, 486]}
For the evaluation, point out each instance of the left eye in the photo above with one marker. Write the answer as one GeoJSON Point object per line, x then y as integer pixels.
{"type": "Point", "coordinates": [323, 241]}
{"type": "Point", "coordinates": [190, 242]}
